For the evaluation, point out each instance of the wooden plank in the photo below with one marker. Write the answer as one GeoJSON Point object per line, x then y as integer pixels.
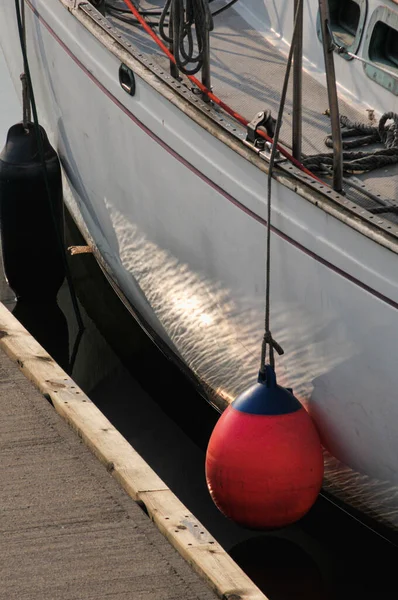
{"type": "Point", "coordinates": [198, 547]}
{"type": "Point", "coordinates": [173, 519]}
{"type": "Point", "coordinates": [76, 408]}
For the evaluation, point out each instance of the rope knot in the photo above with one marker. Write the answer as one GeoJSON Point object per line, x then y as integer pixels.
{"type": "Point", "coordinates": [272, 344]}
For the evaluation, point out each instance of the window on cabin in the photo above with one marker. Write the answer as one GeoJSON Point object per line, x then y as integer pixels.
{"type": "Point", "coordinates": [347, 19]}
{"type": "Point", "coordinates": [383, 46]}
{"type": "Point", "coordinates": [344, 18]}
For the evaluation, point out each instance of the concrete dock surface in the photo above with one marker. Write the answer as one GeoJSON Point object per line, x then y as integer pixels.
{"type": "Point", "coordinates": [68, 531]}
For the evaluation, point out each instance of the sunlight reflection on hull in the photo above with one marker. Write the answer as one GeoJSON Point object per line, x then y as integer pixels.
{"type": "Point", "coordinates": [219, 338]}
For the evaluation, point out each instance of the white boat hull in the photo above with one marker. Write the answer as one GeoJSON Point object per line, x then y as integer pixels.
{"type": "Point", "coordinates": [179, 219]}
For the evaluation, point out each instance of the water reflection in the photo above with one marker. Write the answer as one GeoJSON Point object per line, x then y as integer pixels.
{"type": "Point", "coordinates": [281, 569]}
{"type": "Point", "coordinates": [47, 323]}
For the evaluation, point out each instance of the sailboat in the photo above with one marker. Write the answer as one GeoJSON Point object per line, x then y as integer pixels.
{"type": "Point", "coordinates": [165, 133]}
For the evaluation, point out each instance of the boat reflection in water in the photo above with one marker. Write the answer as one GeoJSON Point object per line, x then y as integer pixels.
{"type": "Point", "coordinates": [282, 569]}
{"type": "Point", "coordinates": [46, 322]}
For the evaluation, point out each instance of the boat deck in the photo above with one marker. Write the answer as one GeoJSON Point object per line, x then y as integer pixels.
{"type": "Point", "coordinates": [247, 73]}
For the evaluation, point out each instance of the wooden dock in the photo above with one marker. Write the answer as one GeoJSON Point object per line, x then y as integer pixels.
{"type": "Point", "coordinates": [68, 528]}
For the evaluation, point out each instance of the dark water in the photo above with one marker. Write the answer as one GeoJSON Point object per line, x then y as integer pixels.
{"type": "Point", "coordinates": [327, 555]}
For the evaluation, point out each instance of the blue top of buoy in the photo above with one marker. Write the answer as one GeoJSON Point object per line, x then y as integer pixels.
{"type": "Point", "coordinates": [266, 397]}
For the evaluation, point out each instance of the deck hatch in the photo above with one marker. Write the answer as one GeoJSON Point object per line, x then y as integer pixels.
{"type": "Point", "coordinates": [347, 18]}
{"type": "Point", "coordinates": [381, 48]}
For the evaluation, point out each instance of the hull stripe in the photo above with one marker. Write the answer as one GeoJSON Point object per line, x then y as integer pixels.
{"type": "Point", "coordinates": [203, 177]}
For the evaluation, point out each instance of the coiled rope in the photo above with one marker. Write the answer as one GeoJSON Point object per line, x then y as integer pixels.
{"type": "Point", "coordinates": [362, 135]}
{"type": "Point", "coordinates": [230, 111]}
{"type": "Point", "coordinates": [188, 31]}
{"type": "Point", "coordinates": [125, 15]}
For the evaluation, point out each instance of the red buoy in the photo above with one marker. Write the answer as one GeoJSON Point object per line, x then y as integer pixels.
{"type": "Point", "coordinates": [264, 461]}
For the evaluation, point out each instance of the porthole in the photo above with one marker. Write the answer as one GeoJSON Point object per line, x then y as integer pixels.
{"type": "Point", "coordinates": [381, 48]}
{"type": "Point", "coordinates": [347, 20]}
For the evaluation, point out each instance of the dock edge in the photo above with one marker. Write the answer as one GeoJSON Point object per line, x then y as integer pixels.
{"type": "Point", "coordinates": [142, 484]}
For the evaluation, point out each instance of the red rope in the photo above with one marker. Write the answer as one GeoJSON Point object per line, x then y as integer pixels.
{"type": "Point", "coordinates": [210, 94]}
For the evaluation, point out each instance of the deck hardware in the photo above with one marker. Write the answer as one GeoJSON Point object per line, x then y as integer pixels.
{"type": "Point", "coordinates": [266, 154]}
{"type": "Point", "coordinates": [127, 79]}
{"type": "Point", "coordinates": [262, 119]}
{"type": "Point", "coordinates": [73, 250]}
